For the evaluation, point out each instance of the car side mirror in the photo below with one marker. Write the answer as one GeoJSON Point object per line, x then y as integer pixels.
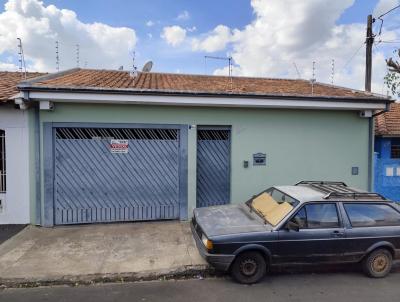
{"type": "Point", "coordinates": [292, 226]}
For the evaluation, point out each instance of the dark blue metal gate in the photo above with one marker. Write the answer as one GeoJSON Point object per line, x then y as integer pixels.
{"type": "Point", "coordinates": [107, 175]}
{"type": "Point", "coordinates": [213, 167]}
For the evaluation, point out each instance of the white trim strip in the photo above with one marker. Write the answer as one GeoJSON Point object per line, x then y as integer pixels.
{"type": "Point", "coordinates": [203, 101]}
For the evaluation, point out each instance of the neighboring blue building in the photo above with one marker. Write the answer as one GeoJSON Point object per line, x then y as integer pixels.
{"type": "Point", "coordinates": [387, 153]}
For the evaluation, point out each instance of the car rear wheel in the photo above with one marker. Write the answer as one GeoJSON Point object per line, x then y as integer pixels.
{"type": "Point", "coordinates": [378, 263]}
{"type": "Point", "coordinates": [249, 267]}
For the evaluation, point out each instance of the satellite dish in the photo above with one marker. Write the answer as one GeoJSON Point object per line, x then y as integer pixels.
{"type": "Point", "coordinates": [147, 67]}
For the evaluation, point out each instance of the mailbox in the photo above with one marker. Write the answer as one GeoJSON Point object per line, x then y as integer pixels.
{"type": "Point", "coordinates": [259, 159]}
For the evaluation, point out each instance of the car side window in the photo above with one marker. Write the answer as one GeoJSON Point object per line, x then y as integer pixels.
{"type": "Point", "coordinates": [370, 215]}
{"type": "Point", "coordinates": [317, 216]}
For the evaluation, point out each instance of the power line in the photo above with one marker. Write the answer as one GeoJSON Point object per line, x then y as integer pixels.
{"type": "Point", "coordinates": [380, 18]}
{"type": "Point", "coordinates": [389, 11]}
{"type": "Point", "coordinates": [352, 57]}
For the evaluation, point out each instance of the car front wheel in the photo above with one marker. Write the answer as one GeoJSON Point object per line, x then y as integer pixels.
{"type": "Point", "coordinates": [378, 263]}
{"type": "Point", "coordinates": [249, 267]}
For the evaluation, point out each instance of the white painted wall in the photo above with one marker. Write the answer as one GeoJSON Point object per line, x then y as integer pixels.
{"type": "Point", "coordinates": [16, 199]}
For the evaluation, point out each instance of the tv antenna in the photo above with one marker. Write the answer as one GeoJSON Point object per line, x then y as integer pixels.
{"type": "Point", "coordinates": [133, 73]}
{"type": "Point", "coordinates": [148, 66]}
{"type": "Point", "coordinates": [229, 59]}
{"type": "Point", "coordinates": [22, 66]}
{"type": "Point", "coordinates": [297, 70]}
{"type": "Point", "coordinates": [77, 55]}
{"type": "Point", "coordinates": [57, 57]}
{"type": "Point", "coordinates": [313, 79]}
{"type": "Point", "coordinates": [333, 71]}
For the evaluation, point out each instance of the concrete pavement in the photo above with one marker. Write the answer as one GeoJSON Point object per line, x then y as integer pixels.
{"type": "Point", "coordinates": [327, 287]}
{"type": "Point", "coordinates": [95, 253]}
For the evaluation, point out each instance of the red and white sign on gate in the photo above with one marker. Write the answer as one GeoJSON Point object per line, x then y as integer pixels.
{"type": "Point", "coordinates": [119, 146]}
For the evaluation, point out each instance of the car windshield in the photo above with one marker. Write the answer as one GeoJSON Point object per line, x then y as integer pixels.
{"type": "Point", "coordinates": [273, 205]}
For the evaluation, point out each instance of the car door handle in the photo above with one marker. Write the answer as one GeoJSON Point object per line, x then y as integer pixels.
{"type": "Point", "coordinates": [337, 234]}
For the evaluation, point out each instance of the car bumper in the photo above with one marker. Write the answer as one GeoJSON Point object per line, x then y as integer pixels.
{"type": "Point", "coordinates": [220, 262]}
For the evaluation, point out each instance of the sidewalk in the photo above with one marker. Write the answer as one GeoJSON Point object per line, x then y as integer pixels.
{"type": "Point", "coordinates": [100, 253]}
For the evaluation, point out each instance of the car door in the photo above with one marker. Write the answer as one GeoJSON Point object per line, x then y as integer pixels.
{"type": "Point", "coordinates": [370, 223]}
{"type": "Point", "coordinates": [320, 237]}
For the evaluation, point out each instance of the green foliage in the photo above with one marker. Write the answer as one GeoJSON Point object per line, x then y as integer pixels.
{"type": "Point", "coordinates": [392, 81]}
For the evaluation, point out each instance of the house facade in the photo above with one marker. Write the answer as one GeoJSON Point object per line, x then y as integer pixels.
{"type": "Point", "coordinates": [15, 158]}
{"type": "Point", "coordinates": [387, 153]}
{"type": "Point", "coordinates": [111, 147]}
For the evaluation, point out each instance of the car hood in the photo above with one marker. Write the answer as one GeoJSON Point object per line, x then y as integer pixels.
{"type": "Point", "coordinates": [228, 219]}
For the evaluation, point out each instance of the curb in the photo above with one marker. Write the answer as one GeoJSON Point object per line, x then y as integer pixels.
{"type": "Point", "coordinates": [186, 272]}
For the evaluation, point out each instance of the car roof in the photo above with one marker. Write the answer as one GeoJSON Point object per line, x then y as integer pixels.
{"type": "Point", "coordinates": [306, 191]}
{"type": "Point", "coordinates": [301, 193]}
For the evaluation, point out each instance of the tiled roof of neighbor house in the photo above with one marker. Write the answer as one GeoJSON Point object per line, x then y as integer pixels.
{"type": "Point", "coordinates": [90, 79]}
{"type": "Point", "coordinates": [9, 81]}
{"type": "Point", "coordinates": [388, 123]}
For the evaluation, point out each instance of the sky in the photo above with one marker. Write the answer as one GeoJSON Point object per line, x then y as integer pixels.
{"type": "Point", "coordinates": [265, 38]}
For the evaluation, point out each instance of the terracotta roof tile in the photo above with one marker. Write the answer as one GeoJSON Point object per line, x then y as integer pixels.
{"type": "Point", "coordinates": [9, 81]}
{"type": "Point", "coordinates": [112, 79]}
{"type": "Point", "coordinates": [388, 123]}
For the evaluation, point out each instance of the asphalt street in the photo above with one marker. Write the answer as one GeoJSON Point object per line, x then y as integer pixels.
{"type": "Point", "coordinates": [327, 287]}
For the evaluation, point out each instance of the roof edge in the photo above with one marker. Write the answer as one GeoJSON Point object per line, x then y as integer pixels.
{"type": "Point", "coordinates": [49, 76]}
{"type": "Point", "coordinates": [122, 91]}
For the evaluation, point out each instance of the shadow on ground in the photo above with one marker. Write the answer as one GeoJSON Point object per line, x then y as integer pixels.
{"type": "Point", "coordinates": [9, 230]}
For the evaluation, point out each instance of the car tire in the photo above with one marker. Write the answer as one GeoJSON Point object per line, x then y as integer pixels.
{"type": "Point", "coordinates": [378, 263]}
{"type": "Point", "coordinates": [249, 267]}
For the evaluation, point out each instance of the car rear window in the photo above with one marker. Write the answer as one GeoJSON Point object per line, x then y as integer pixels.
{"type": "Point", "coordinates": [370, 215]}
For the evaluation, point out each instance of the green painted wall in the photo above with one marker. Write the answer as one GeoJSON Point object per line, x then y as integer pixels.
{"type": "Point", "coordinates": [300, 144]}
{"type": "Point", "coordinates": [32, 164]}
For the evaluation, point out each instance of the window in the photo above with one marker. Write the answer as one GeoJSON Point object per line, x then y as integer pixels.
{"type": "Point", "coordinates": [280, 197]}
{"type": "Point", "coordinates": [395, 150]}
{"type": "Point", "coordinates": [2, 161]}
{"type": "Point", "coordinates": [317, 216]}
{"type": "Point", "coordinates": [369, 215]}
{"type": "Point", "coordinates": [389, 171]}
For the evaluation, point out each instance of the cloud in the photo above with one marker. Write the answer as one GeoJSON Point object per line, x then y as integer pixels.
{"type": "Point", "coordinates": [183, 16]}
{"type": "Point", "coordinates": [191, 29]}
{"type": "Point", "coordinates": [213, 41]}
{"type": "Point", "coordinates": [150, 23]}
{"type": "Point", "coordinates": [8, 66]}
{"type": "Point", "coordinates": [39, 26]}
{"type": "Point", "coordinates": [285, 31]}
{"type": "Point", "coordinates": [173, 35]}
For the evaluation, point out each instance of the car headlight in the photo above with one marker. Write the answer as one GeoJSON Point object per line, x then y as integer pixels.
{"type": "Point", "coordinates": [207, 242]}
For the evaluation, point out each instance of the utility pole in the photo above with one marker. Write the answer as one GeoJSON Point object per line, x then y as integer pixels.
{"type": "Point", "coordinates": [368, 54]}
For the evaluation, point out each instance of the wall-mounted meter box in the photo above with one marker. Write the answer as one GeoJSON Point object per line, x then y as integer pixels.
{"type": "Point", "coordinates": [259, 159]}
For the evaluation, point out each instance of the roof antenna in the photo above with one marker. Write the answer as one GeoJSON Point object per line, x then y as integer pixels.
{"type": "Point", "coordinates": [57, 58]}
{"type": "Point", "coordinates": [313, 79]}
{"type": "Point", "coordinates": [133, 73]}
{"type": "Point", "coordinates": [230, 65]}
{"type": "Point", "coordinates": [77, 55]}
{"type": "Point", "coordinates": [333, 71]}
{"type": "Point", "coordinates": [21, 59]}
{"type": "Point", "coordinates": [297, 70]}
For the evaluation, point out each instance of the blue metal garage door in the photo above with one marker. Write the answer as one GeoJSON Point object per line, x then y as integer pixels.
{"type": "Point", "coordinates": [107, 175]}
{"type": "Point", "coordinates": [213, 167]}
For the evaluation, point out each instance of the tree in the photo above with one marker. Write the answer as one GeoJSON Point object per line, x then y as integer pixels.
{"type": "Point", "coordinates": [392, 79]}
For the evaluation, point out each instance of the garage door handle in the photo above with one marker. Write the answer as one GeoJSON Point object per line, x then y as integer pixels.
{"type": "Point", "coordinates": [337, 234]}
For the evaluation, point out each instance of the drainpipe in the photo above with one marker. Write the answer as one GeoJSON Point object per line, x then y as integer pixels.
{"type": "Point", "coordinates": [370, 150]}
{"type": "Point", "coordinates": [371, 146]}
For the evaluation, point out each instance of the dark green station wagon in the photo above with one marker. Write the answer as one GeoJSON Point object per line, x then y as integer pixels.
{"type": "Point", "coordinates": [312, 222]}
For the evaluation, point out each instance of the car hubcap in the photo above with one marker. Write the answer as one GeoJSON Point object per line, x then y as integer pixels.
{"type": "Point", "coordinates": [379, 263]}
{"type": "Point", "coordinates": [248, 267]}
